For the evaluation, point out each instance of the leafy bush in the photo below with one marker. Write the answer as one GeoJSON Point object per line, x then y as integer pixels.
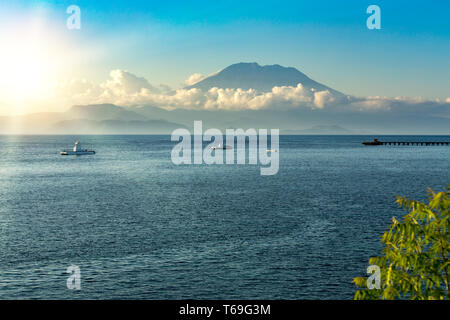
{"type": "Point", "coordinates": [415, 259]}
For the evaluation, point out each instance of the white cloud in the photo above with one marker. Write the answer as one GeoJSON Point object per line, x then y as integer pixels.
{"type": "Point", "coordinates": [194, 78]}
{"type": "Point", "coordinates": [370, 104]}
{"type": "Point", "coordinates": [77, 91]}
{"type": "Point", "coordinates": [123, 82]}
{"type": "Point", "coordinates": [323, 98]}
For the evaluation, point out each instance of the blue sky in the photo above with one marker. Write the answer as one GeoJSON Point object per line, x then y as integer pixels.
{"type": "Point", "coordinates": [166, 41]}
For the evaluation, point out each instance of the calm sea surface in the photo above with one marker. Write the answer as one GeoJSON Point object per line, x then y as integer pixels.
{"type": "Point", "coordinates": [140, 227]}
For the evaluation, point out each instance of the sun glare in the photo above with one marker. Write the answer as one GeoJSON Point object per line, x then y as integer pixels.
{"type": "Point", "coordinates": [28, 64]}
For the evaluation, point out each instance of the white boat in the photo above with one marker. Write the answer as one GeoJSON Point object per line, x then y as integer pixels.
{"type": "Point", "coordinates": [77, 150]}
{"type": "Point", "coordinates": [221, 147]}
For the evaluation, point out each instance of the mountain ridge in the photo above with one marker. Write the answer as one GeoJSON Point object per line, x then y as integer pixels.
{"type": "Point", "coordinates": [154, 120]}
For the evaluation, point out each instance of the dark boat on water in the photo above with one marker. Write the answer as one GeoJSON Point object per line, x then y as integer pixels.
{"type": "Point", "coordinates": [375, 142]}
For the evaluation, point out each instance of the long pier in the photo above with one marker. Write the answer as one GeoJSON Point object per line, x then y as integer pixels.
{"type": "Point", "coordinates": [416, 143]}
{"type": "Point", "coordinates": [376, 142]}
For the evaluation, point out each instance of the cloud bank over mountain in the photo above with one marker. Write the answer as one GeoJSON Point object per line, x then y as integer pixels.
{"type": "Point", "coordinates": [239, 90]}
{"type": "Point", "coordinates": [129, 91]}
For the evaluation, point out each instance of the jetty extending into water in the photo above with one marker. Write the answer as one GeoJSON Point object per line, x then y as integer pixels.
{"type": "Point", "coordinates": [376, 142]}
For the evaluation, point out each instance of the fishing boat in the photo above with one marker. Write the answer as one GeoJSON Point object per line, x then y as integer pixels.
{"type": "Point", "coordinates": [77, 151]}
{"type": "Point", "coordinates": [221, 147]}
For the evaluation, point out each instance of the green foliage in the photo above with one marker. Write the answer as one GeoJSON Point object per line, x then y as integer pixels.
{"type": "Point", "coordinates": [415, 259]}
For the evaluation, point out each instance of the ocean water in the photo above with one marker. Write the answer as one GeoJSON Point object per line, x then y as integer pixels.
{"type": "Point", "coordinates": [140, 227]}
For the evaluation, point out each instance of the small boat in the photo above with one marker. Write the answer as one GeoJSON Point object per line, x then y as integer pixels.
{"type": "Point", "coordinates": [375, 142]}
{"type": "Point", "coordinates": [77, 150]}
{"type": "Point", "coordinates": [271, 150]}
{"type": "Point", "coordinates": [221, 147]}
